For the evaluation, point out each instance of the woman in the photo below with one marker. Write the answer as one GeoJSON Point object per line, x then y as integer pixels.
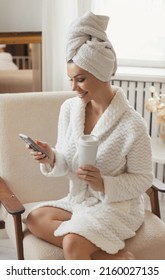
{"type": "Point", "coordinates": [93, 224]}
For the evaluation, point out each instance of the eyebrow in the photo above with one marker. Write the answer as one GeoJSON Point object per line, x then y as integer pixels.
{"type": "Point", "coordinates": [78, 75]}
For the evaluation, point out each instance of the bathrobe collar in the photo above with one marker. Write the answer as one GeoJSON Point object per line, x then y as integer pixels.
{"type": "Point", "coordinates": [110, 117]}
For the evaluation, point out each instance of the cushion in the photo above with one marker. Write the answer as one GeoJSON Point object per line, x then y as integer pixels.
{"type": "Point", "coordinates": [149, 242]}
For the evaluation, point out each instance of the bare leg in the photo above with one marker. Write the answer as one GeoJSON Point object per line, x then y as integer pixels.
{"type": "Point", "coordinates": [121, 255]}
{"type": "Point", "coordinates": [77, 247]}
{"type": "Point", "coordinates": [42, 222]}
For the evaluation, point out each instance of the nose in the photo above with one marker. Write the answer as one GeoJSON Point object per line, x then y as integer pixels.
{"type": "Point", "coordinates": [74, 86]}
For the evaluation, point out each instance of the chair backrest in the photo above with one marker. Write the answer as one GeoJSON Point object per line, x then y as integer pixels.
{"type": "Point", "coordinates": [34, 114]}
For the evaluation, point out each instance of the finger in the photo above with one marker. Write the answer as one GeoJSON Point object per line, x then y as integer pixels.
{"type": "Point", "coordinates": [91, 173]}
{"type": "Point", "coordinates": [28, 146]}
{"type": "Point", "coordinates": [40, 157]}
{"type": "Point", "coordinates": [92, 170]}
{"type": "Point", "coordinates": [88, 167]}
{"type": "Point", "coordinates": [41, 144]}
{"type": "Point", "coordinates": [88, 176]}
{"type": "Point", "coordinates": [37, 155]}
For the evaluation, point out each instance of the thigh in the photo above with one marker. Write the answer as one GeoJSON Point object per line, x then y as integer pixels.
{"type": "Point", "coordinates": [43, 221]}
{"type": "Point", "coordinates": [50, 213]}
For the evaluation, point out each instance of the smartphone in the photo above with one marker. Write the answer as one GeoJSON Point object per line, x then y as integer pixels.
{"type": "Point", "coordinates": [32, 144]}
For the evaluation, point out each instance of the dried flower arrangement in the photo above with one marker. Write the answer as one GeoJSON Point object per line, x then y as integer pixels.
{"type": "Point", "coordinates": [156, 103]}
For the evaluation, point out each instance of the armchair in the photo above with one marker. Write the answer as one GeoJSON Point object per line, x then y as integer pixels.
{"type": "Point", "coordinates": [22, 185]}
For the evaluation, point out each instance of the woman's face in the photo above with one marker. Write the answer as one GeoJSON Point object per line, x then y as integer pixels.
{"type": "Point", "coordinates": [87, 86]}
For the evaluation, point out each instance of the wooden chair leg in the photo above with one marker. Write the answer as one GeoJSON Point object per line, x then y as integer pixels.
{"type": "Point", "coordinates": [19, 236]}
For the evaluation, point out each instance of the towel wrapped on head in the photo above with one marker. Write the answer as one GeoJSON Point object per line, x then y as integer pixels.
{"type": "Point", "coordinates": [89, 48]}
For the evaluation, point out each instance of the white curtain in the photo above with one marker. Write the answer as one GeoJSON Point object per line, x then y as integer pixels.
{"type": "Point", "coordinates": [57, 15]}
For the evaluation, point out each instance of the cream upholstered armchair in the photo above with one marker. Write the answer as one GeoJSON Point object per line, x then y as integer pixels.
{"type": "Point", "coordinates": [22, 185]}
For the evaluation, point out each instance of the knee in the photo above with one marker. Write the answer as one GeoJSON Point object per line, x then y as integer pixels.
{"type": "Point", "coordinates": [34, 217]}
{"type": "Point", "coordinates": [71, 246]}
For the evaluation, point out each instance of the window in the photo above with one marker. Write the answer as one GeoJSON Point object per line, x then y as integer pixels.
{"type": "Point", "coordinates": [136, 30]}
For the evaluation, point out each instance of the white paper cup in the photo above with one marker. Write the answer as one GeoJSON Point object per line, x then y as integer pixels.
{"type": "Point", "coordinates": [87, 149]}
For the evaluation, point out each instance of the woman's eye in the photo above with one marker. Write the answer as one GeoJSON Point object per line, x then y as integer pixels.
{"type": "Point", "coordinates": [81, 80]}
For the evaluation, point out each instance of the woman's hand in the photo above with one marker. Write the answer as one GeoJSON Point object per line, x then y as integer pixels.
{"type": "Point", "coordinates": [41, 158]}
{"type": "Point", "coordinates": [92, 176]}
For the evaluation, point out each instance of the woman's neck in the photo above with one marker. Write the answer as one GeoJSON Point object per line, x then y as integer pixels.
{"type": "Point", "coordinates": [95, 109]}
{"type": "Point", "coordinates": [102, 101]}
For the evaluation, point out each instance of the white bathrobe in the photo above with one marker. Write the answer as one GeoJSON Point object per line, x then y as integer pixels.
{"type": "Point", "coordinates": [124, 159]}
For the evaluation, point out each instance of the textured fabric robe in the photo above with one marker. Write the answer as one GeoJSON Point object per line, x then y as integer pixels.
{"type": "Point", "coordinates": [124, 160]}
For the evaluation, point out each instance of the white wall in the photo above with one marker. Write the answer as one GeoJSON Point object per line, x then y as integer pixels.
{"type": "Point", "coordinates": [20, 15]}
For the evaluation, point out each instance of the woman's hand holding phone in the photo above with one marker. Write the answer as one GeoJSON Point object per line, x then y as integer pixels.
{"type": "Point", "coordinates": [39, 156]}
{"type": "Point", "coordinates": [40, 151]}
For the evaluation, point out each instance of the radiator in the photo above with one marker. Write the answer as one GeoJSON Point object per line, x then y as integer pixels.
{"type": "Point", "coordinates": [137, 92]}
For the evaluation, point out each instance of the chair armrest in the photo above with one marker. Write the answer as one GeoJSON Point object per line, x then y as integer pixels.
{"type": "Point", "coordinates": [15, 208]}
{"type": "Point", "coordinates": [9, 200]}
{"type": "Point", "coordinates": [158, 185]}
{"type": "Point", "coordinates": [153, 195]}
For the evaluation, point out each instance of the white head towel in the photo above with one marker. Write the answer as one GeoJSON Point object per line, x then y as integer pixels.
{"type": "Point", "coordinates": [89, 48]}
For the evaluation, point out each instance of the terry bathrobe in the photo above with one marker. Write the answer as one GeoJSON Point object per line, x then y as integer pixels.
{"type": "Point", "coordinates": [124, 159]}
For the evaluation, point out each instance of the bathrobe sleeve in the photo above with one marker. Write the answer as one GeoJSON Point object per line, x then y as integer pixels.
{"type": "Point", "coordinates": [138, 175]}
{"type": "Point", "coordinates": [60, 168]}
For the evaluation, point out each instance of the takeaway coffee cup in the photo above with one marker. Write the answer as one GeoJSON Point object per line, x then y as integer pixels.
{"type": "Point", "coordinates": [88, 145]}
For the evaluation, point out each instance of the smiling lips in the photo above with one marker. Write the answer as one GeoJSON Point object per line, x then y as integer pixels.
{"type": "Point", "coordinates": [82, 95]}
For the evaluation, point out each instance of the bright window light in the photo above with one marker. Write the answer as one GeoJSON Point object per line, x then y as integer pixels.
{"type": "Point", "coordinates": [136, 30]}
